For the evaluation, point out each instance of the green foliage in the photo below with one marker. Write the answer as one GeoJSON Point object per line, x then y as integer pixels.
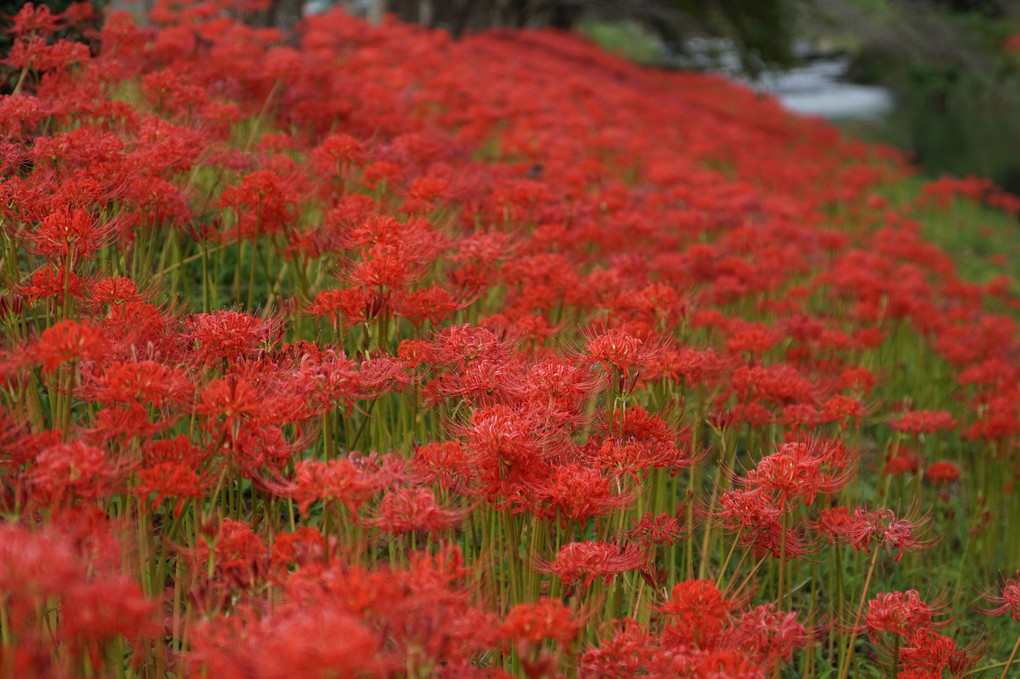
{"type": "Point", "coordinates": [761, 33]}
{"type": "Point", "coordinates": [956, 89]}
{"type": "Point", "coordinates": [762, 30]}
{"type": "Point", "coordinates": [628, 39]}
{"type": "Point", "coordinates": [954, 121]}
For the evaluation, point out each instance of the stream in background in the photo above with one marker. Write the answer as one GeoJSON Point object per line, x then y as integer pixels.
{"type": "Point", "coordinates": [817, 88]}
{"type": "Point", "coordinates": [950, 122]}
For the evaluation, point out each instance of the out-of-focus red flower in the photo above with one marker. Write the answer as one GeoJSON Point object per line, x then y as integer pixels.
{"type": "Point", "coordinates": [942, 473]}
{"type": "Point", "coordinates": [586, 561]}
{"type": "Point", "coordinates": [547, 619]}
{"type": "Point", "coordinates": [1008, 601]}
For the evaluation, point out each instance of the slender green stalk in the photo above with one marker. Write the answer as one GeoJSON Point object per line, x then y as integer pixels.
{"type": "Point", "coordinates": [860, 609]}
{"type": "Point", "coordinates": [1012, 657]}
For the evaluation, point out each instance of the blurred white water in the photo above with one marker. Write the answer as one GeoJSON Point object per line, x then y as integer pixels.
{"type": "Point", "coordinates": [816, 88]}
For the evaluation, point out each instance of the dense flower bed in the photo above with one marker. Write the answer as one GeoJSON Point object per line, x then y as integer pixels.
{"type": "Point", "coordinates": [394, 356]}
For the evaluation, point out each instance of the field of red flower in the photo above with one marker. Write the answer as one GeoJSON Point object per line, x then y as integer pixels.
{"type": "Point", "coordinates": [392, 356]}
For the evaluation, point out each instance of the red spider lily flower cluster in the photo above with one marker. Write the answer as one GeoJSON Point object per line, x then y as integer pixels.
{"type": "Point", "coordinates": [1009, 600]}
{"type": "Point", "coordinates": [631, 384]}
{"type": "Point", "coordinates": [865, 529]}
{"type": "Point", "coordinates": [703, 634]}
{"type": "Point", "coordinates": [905, 632]}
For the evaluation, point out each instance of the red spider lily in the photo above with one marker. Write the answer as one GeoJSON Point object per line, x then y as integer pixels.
{"type": "Point", "coordinates": [413, 509]}
{"type": "Point", "coordinates": [330, 481]}
{"type": "Point", "coordinates": [652, 530]}
{"type": "Point", "coordinates": [237, 554]}
{"type": "Point", "coordinates": [122, 422]}
{"type": "Point", "coordinates": [917, 674]}
{"type": "Point", "coordinates": [353, 305]}
{"type": "Point", "coordinates": [233, 399]}
{"type": "Point", "coordinates": [386, 265]}
{"type": "Point", "coordinates": [336, 151]}
{"type": "Point", "coordinates": [636, 458]}
{"type": "Point", "coordinates": [745, 509]}
{"type": "Point", "coordinates": [69, 341]}
{"type": "Point", "coordinates": [548, 213]}
{"type": "Point", "coordinates": [167, 91]}
{"type": "Point", "coordinates": [114, 289]}
{"type": "Point", "coordinates": [302, 548]}
{"type": "Point", "coordinates": [833, 522]}
{"type": "Point", "coordinates": [928, 651]}
{"type": "Point", "coordinates": [510, 448]}
{"type": "Point", "coordinates": [1008, 601]}
{"type": "Point", "coordinates": [484, 382]}
{"type": "Point", "coordinates": [20, 445]}
{"type": "Point", "coordinates": [33, 19]}
{"type": "Point", "coordinates": [778, 383]}
{"type": "Point", "coordinates": [264, 203]}
{"type": "Point", "coordinates": [882, 527]}
{"type": "Point", "coordinates": [962, 660]}
{"type": "Point", "coordinates": [436, 616]}
{"type": "Point", "coordinates": [901, 459]}
{"type": "Point", "coordinates": [620, 351]}
{"type": "Point", "coordinates": [35, 567]}
{"type": "Point", "coordinates": [46, 570]}
{"type": "Point", "coordinates": [586, 561]}
{"type": "Point", "coordinates": [942, 473]}
{"type": "Point", "coordinates": [727, 663]}
{"type": "Point", "coordinates": [479, 254]}
{"type": "Point", "coordinates": [572, 491]}
{"type": "Point", "coordinates": [802, 415]}
{"type": "Point", "coordinates": [230, 335]}
{"type": "Point", "coordinates": [860, 379]}
{"type": "Point", "coordinates": [534, 623]}
{"type": "Point", "coordinates": [751, 338]}
{"type": "Point", "coordinates": [458, 345]}
{"type": "Point", "coordinates": [899, 613]}
{"type": "Point", "coordinates": [627, 652]}
{"type": "Point", "coordinates": [444, 463]}
{"type": "Point", "coordinates": [425, 191]}
{"type": "Point", "coordinates": [636, 422]}
{"type": "Point", "coordinates": [767, 635]}
{"type": "Point", "coordinates": [36, 54]}
{"type": "Point", "coordinates": [144, 327]}
{"type": "Point", "coordinates": [756, 516]}
{"type": "Point", "coordinates": [315, 642]}
{"type": "Point", "coordinates": [68, 472]}
{"type": "Point", "coordinates": [698, 612]}
{"type": "Point", "coordinates": [105, 610]}
{"type": "Point", "coordinates": [802, 470]}
{"type": "Point", "coordinates": [261, 449]}
{"type": "Point", "coordinates": [565, 387]}
{"type": "Point", "coordinates": [638, 442]}
{"type": "Point", "coordinates": [694, 367]}
{"type": "Point", "coordinates": [944, 189]}
{"type": "Point", "coordinates": [170, 480]}
{"type": "Point", "coordinates": [919, 422]}
{"type": "Point", "coordinates": [423, 613]}
{"type": "Point", "coordinates": [416, 238]}
{"type": "Point", "coordinates": [380, 374]}
{"type": "Point", "coordinates": [432, 304]}
{"type": "Point", "coordinates": [57, 283]}
{"type": "Point", "coordinates": [840, 408]}
{"type": "Point", "coordinates": [69, 236]}
{"type": "Point", "coordinates": [329, 379]}
{"type": "Point", "coordinates": [138, 381]}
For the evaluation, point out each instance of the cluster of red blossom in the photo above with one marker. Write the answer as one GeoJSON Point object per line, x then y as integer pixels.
{"type": "Point", "coordinates": [388, 355]}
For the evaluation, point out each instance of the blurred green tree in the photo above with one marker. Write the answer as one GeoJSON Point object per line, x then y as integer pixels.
{"type": "Point", "coordinates": [761, 32]}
